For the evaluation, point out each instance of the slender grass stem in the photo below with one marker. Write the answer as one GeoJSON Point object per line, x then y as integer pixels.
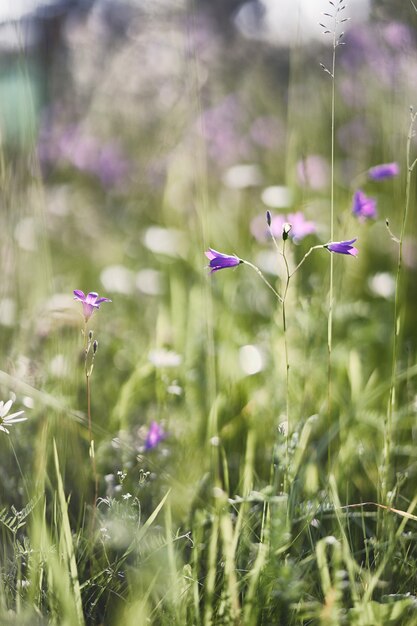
{"type": "Point", "coordinates": [397, 319]}
{"type": "Point", "coordinates": [331, 280]}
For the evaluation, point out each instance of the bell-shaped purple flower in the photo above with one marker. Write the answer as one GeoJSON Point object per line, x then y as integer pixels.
{"type": "Point", "coordinates": [220, 261]}
{"type": "Point", "coordinates": [342, 247]}
{"type": "Point", "coordinates": [155, 435]}
{"type": "Point", "coordinates": [385, 170]}
{"type": "Point", "coordinates": [363, 206]}
{"type": "Point", "coordinates": [90, 302]}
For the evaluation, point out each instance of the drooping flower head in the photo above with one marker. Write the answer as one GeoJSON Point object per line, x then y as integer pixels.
{"type": "Point", "coordinates": [155, 435]}
{"type": "Point", "coordinates": [9, 420]}
{"type": "Point", "coordinates": [342, 247]}
{"type": "Point", "coordinates": [90, 302]}
{"type": "Point", "coordinates": [363, 206]}
{"type": "Point", "coordinates": [385, 170]}
{"type": "Point", "coordinates": [220, 261]}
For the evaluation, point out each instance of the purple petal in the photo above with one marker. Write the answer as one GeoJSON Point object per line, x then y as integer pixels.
{"type": "Point", "coordinates": [385, 170]}
{"type": "Point", "coordinates": [363, 206]}
{"type": "Point", "coordinates": [79, 295]}
{"type": "Point", "coordinates": [100, 300]}
{"type": "Point", "coordinates": [221, 263]}
{"type": "Point", "coordinates": [91, 298]}
{"type": "Point", "coordinates": [211, 254]}
{"type": "Point", "coordinates": [343, 247]}
{"type": "Point", "coordinates": [154, 436]}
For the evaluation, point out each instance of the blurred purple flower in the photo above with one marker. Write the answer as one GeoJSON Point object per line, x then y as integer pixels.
{"type": "Point", "coordinates": [220, 261]}
{"type": "Point", "coordinates": [363, 206]}
{"type": "Point", "coordinates": [85, 153]}
{"type": "Point", "coordinates": [342, 247]}
{"type": "Point", "coordinates": [90, 302]}
{"type": "Point", "coordinates": [368, 46]}
{"type": "Point", "coordinates": [155, 435]}
{"type": "Point", "coordinates": [313, 171]}
{"type": "Point", "coordinates": [300, 227]}
{"type": "Point", "coordinates": [221, 128]}
{"type": "Point", "coordinates": [398, 35]}
{"type": "Point", "coordinates": [354, 135]}
{"type": "Point", "coordinates": [267, 131]}
{"type": "Point", "coordinates": [385, 170]}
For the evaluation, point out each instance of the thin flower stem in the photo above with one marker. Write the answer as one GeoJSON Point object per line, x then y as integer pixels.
{"type": "Point", "coordinates": [307, 254]}
{"type": "Point", "coordinates": [397, 320]}
{"type": "Point", "coordinates": [267, 283]}
{"type": "Point", "coordinates": [90, 434]}
{"type": "Point", "coordinates": [287, 362]}
{"type": "Point", "coordinates": [88, 370]}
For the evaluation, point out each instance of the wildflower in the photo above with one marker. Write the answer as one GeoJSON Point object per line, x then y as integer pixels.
{"type": "Point", "coordinates": [154, 436]}
{"type": "Point", "coordinates": [342, 247]}
{"type": "Point", "coordinates": [219, 261]}
{"type": "Point", "coordinates": [8, 420]}
{"type": "Point", "coordinates": [385, 170]}
{"type": "Point", "coordinates": [90, 302]}
{"type": "Point", "coordinates": [363, 206]}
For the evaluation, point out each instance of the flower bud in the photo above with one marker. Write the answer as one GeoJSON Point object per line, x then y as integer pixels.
{"type": "Point", "coordinates": [286, 230]}
{"type": "Point", "coordinates": [268, 218]}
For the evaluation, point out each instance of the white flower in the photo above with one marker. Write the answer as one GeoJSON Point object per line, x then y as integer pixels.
{"type": "Point", "coordinates": [8, 420]}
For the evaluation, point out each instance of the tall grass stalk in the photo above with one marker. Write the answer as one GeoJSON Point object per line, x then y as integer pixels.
{"type": "Point", "coordinates": [336, 41]}
{"type": "Point", "coordinates": [392, 399]}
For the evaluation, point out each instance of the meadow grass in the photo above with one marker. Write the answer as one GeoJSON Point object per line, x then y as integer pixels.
{"type": "Point", "coordinates": [240, 453]}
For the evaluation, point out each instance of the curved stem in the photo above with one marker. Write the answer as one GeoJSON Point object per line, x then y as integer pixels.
{"type": "Point", "coordinates": [267, 283]}
{"type": "Point", "coordinates": [307, 254]}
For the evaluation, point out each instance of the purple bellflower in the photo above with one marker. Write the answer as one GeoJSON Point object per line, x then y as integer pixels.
{"type": "Point", "coordinates": [90, 302]}
{"type": "Point", "coordinates": [155, 435]}
{"type": "Point", "coordinates": [342, 247]}
{"type": "Point", "coordinates": [220, 261]}
{"type": "Point", "coordinates": [363, 206]}
{"type": "Point", "coordinates": [385, 170]}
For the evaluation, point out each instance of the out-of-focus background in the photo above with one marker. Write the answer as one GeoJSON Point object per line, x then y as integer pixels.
{"type": "Point", "coordinates": [135, 134]}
